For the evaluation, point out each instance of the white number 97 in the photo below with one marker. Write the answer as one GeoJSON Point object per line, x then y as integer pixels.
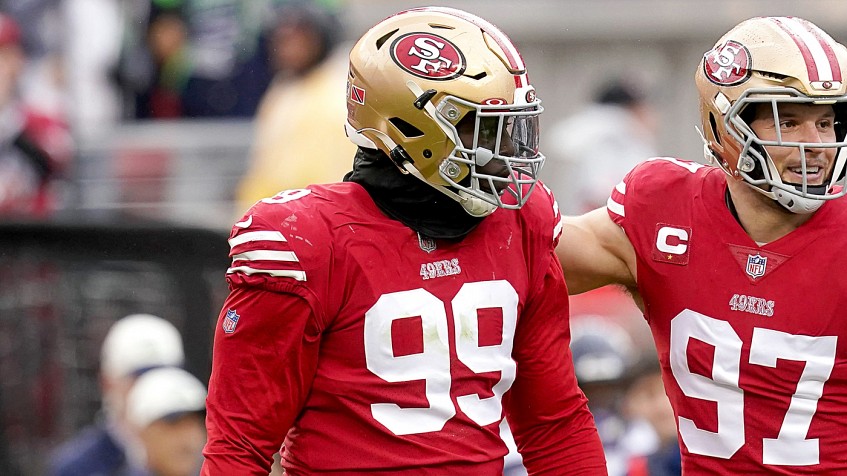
{"type": "Point", "coordinates": [790, 447]}
{"type": "Point", "coordinates": [433, 364]}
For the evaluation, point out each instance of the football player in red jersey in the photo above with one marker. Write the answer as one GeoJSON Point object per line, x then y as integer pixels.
{"type": "Point", "coordinates": [736, 266]}
{"type": "Point", "coordinates": [387, 324]}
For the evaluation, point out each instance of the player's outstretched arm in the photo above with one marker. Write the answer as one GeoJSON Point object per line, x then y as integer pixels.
{"type": "Point", "coordinates": [595, 251]}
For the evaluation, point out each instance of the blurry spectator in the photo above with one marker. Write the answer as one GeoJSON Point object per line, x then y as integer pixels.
{"type": "Point", "coordinates": [92, 33]}
{"type": "Point", "coordinates": [193, 58]}
{"type": "Point", "coordinates": [646, 403]}
{"type": "Point", "coordinates": [42, 83]}
{"type": "Point", "coordinates": [298, 139]}
{"type": "Point", "coordinates": [166, 408]}
{"type": "Point", "coordinates": [36, 15]}
{"type": "Point", "coordinates": [589, 152]}
{"type": "Point", "coordinates": [133, 345]}
{"type": "Point", "coordinates": [34, 147]}
{"type": "Point", "coordinates": [229, 70]}
{"type": "Point", "coordinates": [606, 360]}
{"type": "Point", "coordinates": [166, 38]}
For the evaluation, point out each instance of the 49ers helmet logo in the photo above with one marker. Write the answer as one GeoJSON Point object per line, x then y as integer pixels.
{"type": "Point", "coordinates": [728, 64]}
{"type": "Point", "coordinates": [428, 56]}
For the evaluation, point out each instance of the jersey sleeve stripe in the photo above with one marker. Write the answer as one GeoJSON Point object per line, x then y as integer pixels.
{"type": "Point", "coordinates": [266, 255]}
{"type": "Point", "coordinates": [557, 230]}
{"type": "Point", "coordinates": [256, 236]}
{"type": "Point", "coordinates": [615, 207]}
{"type": "Point", "coordinates": [615, 202]}
{"type": "Point", "coordinates": [560, 220]}
{"type": "Point", "coordinates": [264, 252]}
{"type": "Point", "coordinates": [285, 273]}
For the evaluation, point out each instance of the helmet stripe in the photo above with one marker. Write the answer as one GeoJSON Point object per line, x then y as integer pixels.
{"type": "Point", "coordinates": [521, 80]}
{"type": "Point", "coordinates": [503, 41]}
{"type": "Point", "coordinates": [816, 50]}
{"type": "Point", "coordinates": [825, 43]}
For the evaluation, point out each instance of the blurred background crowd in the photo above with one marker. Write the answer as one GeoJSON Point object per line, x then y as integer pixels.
{"type": "Point", "coordinates": [134, 132]}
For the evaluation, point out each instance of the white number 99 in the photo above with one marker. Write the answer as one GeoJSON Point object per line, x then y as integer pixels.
{"type": "Point", "coordinates": [433, 364]}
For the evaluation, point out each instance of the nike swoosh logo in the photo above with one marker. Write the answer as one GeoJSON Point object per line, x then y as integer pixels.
{"type": "Point", "coordinates": [246, 223]}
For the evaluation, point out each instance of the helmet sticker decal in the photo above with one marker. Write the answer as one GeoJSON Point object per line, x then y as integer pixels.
{"type": "Point", "coordinates": [428, 56]}
{"type": "Point", "coordinates": [355, 94]}
{"type": "Point", "coordinates": [728, 64]}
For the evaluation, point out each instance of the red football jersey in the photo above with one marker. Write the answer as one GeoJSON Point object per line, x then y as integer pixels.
{"type": "Point", "coordinates": [372, 349]}
{"type": "Point", "coordinates": [752, 338]}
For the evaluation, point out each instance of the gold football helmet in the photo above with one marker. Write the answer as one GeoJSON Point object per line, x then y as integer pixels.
{"type": "Point", "coordinates": [773, 61]}
{"type": "Point", "coordinates": [415, 76]}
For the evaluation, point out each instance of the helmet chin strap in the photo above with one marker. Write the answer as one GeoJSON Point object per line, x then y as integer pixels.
{"type": "Point", "coordinates": [797, 204]}
{"type": "Point", "coordinates": [475, 206]}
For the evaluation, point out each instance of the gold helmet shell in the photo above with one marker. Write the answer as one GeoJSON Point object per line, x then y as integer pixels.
{"type": "Point", "coordinates": [417, 74]}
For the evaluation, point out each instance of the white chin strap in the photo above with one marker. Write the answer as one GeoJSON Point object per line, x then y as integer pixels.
{"type": "Point", "coordinates": [476, 206]}
{"type": "Point", "coordinates": [795, 204]}
{"type": "Point", "coordinates": [791, 202]}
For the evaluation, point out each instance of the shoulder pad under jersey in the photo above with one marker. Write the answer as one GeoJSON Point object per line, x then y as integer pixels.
{"type": "Point", "coordinates": [279, 241]}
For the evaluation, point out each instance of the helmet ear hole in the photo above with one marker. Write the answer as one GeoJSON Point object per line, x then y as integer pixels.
{"type": "Point", "coordinates": [714, 125]}
{"type": "Point", "coordinates": [405, 128]}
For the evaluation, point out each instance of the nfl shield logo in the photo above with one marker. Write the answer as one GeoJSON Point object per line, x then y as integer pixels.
{"type": "Point", "coordinates": [426, 243]}
{"type": "Point", "coordinates": [230, 321]}
{"type": "Point", "coordinates": [756, 265]}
